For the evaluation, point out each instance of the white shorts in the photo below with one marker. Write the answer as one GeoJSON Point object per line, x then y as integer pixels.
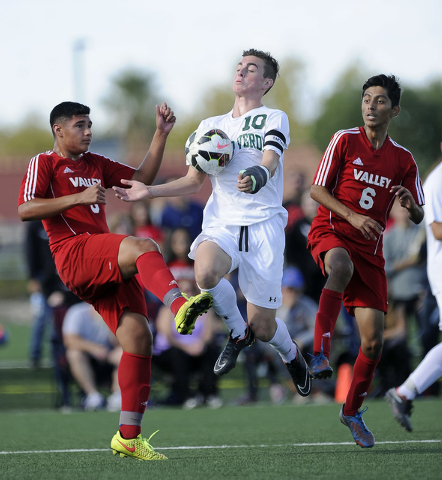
{"type": "Point", "coordinates": [257, 251]}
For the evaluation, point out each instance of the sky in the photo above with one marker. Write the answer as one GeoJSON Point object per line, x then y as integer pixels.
{"type": "Point", "coordinates": [52, 51]}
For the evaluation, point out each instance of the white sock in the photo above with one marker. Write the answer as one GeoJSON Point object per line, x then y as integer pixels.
{"type": "Point", "coordinates": [225, 305]}
{"type": "Point", "coordinates": [282, 342]}
{"type": "Point", "coordinates": [429, 370]}
{"type": "Point", "coordinates": [407, 389]}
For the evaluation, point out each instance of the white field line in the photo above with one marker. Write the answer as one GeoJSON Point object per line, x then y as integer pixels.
{"type": "Point", "coordinates": [324, 444]}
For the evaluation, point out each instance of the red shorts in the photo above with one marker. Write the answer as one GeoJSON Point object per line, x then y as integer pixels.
{"type": "Point", "coordinates": [88, 266]}
{"type": "Point", "coordinates": [368, 285]}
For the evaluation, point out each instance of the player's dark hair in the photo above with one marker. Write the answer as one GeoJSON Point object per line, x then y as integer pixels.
{"type": "Point", "coordinates": [67, 110]}
{"type": "Point", "coordinates": [390, 83]}
{"type": "Point", "coordinates": [271, 65]}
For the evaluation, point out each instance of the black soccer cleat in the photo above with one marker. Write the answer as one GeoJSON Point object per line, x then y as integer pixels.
{"type": "Point", "coordinates": [227, 359]}
{"type": "Point", "coordinates": [401, 408]}
{"type": "Point", "coordinates": [300, 374]}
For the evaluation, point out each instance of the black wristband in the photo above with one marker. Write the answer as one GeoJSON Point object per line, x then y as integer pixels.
{"type": "Point", "coordinates": [259, 175]}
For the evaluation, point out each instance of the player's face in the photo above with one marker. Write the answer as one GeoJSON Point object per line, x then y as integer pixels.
{"type": "Point", "coordinates": [249, 77]}
{"type": "Point", "coordinates": [75, 134]}
{"type": "Point", "coordinates": [376, 107]}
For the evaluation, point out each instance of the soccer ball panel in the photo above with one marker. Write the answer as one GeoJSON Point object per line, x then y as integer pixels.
{"type": "Point", "coordinates": [209, 151]}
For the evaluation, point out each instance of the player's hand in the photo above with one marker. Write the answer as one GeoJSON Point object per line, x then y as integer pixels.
{"type": "Point", "coordinates": [370, 228]}
{"type": "Point", "coordinates": [404, 196]}
{"type": "Point", "coordinates": [136, 191]}
{"type": "Point", "coordinates": [165, 118]}
{"type": "Point", "coordinates": [406, 200]}
{"type": "Point", "coordinates": [93, 195]}
{"type": "Point", "coordinates": [257, 176]}
{"type": "Point", "coordinates": [244, 184]}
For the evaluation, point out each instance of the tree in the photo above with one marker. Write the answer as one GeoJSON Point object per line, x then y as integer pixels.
{"type": "Point", "coordinates": [131, 106]}
{"type": "Point", "coordinates": [31, 137]}
{"type": "Point", "coordinates": [285, 96]}
{"type": "Point", "coordinates": [341, 109]}
{"type": "Point", "coordinates": [418, 127]}
{"type": "Point", "coordinates": [215, 101]}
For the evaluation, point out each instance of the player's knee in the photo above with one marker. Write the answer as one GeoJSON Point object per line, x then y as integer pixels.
{"type": "Point", "coordinates": [139, 345]}
{"type": "Point", "coordinates": [73, 355]}
{"type": "Point", "coordinates": [341, 269]}
{"type": "Point", "coordinates": [372, 348]}
{"type": "Point", "coordinates": [206, 277]}
{"type": "Point", "coordinates": [134, 335]}
{"type": "Point", "coordinates": [145, 245]}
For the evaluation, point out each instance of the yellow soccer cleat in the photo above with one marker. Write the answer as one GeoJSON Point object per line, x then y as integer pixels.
{"type": "Point", "coordinates": [138, 448]}
{"type": "Point", "coordinates": [188, 313]}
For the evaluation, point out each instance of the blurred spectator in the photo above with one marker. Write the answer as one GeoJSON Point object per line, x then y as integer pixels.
{"type": "Point", "coordinates": [257, 365]}
{"type": "Point", "coordinates": [184, 356]}
{"type": "Point", "coordinates": [394, 366]}
{"type": "Point", "coordinates": [182, 212]}
{"type": "Point", "coordinates": [143, 225]}
{"type": "Point", "coordinates": [43, 280]}
{"type": "Point", "coordinates": [429, 319]}
{"type": "Point", "coordinates": [4, 337]}
{"type": "Point", "coordinates": [298, 311]}
{"type": "Point", "coordinates": [93, 354]}
{"type": "Point", "coordinates": [296, 248]}
{"type": "Point", "coordinates": [49, 299]}
{"type": "Point", "coordinates": [178, 256]}
{"type": "Point", "coordinates": [294, 185]}
{"type": "Point", "coordinates": [157, 205]}
{"type": "Point", "coordinates": [405, 272]}
{"type": "Point", "coordinates": [428, 312]}
{"type": "Point", "coordinates": [121, 223]}
{"type": "Point", "coordinates": [429, 370]}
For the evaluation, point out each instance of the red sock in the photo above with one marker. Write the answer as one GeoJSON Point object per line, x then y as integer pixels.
{"type": "Point", "coordinates": [329, 307]}
{"type": "Point", "coordinates": [158, 279]}
{"type": "Point", "coordinates": [363, 373]}
{"type": "Point", "coordinates": [134, 374]}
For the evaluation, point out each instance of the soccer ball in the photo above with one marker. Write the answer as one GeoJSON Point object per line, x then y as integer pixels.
{"type": "Point", "coordinates": [209, 151]}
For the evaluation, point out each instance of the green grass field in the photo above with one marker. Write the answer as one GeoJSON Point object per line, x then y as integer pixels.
{"type": "Point", "coordinates": [256, 442]}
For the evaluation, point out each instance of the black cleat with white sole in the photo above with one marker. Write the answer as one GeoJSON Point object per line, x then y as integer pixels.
{"type": "Point", "coordinates": [300, 374]}
{"type": "Point", "coordinates": [227, 359]}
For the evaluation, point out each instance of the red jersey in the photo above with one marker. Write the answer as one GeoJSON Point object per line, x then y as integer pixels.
{"type": "Point", "coordinates": [51, 176]}
{"type": "Point", "coordinates": [360, 177]}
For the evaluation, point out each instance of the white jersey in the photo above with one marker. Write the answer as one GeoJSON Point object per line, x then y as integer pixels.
{"type": "Point", "coordinates": [258, 130]}
{"type": "Point", "coordinates": [433, 213]}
